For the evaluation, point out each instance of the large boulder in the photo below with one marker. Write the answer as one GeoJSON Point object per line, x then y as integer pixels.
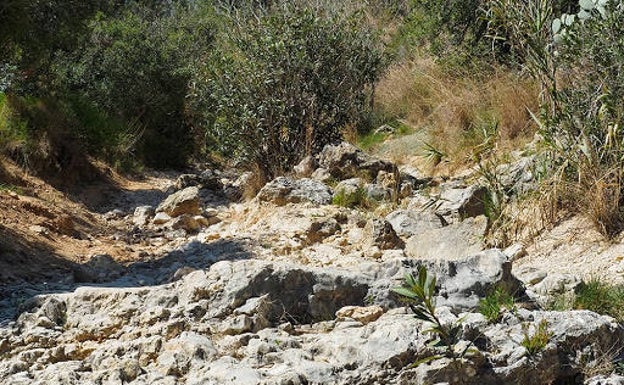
{"type": "Point", "coordinates": [462, 202]}
{"type": "Point", "coordinates": [344, 161]}
{"type": "Point", "coordinates": [411, 222]}
{"type": "Point", "coordinates": [185, 201]}
{"type": "Point", "coordinates": [283, 190]}
{"type": "Point", "coordinates": [454, 241]}
{"type": "Point", "coordinates": [461, 282]}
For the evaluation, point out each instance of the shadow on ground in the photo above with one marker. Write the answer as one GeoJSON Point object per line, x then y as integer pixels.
{"type": "Point", "coordinates": [31, 269]}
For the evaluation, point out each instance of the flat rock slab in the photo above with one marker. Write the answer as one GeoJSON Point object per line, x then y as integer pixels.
{"type": "Point", "coordinates": [283, 190]}
{"type": "Point", "coordinates": [451, 242]}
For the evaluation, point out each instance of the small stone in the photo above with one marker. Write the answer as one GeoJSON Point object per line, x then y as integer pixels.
{"type": "Point", "coordinates": [237, 325]}
{"type": "Point", "coordinates": [515, 252]}
{"type": "Point", "coordinates": [306, 167]}
{"type": "Point", "coordinates": [186, 222]}
{"type": "Point", "coordinates": [161, 219]}
{"type": "Point", "coordinates": [210, 212]}
{"type": "Point", "coordinates": [361, 314]}
{"type": "Point", "coordinates": [39, 230]}
{"type": "Point", "coordinates": [142, 214]}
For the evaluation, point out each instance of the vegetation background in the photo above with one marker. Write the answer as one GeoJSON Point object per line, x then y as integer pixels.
{"type": "Point", "coordinates": [261, 84]}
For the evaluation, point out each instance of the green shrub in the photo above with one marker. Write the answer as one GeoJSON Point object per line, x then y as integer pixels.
{"type": "Point", "coordinates": [290, 81]}
{"type": "Point", "coordinates": [493, 305]}
{"type": "Point", "coordinates": [136, 68]}
{"type": "Point", "coordinates": [576, 58]}
{"type": "Point", "coordinates": [356, 198]}
{"type": "Point", "coordinates": [536, 342]}
{"type": "Point", "coordinates": [601, 298]}
{"type": "Point", "coordinates": [15, 136]}
{"type": "Point", "coordinates": [587, 111]}
{"type": "Point", "coordinates": [33, 32]}
{"type": "Point", "coordinates": [419, 293]}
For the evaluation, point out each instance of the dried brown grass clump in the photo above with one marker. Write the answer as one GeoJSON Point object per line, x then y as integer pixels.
{"type": "Point", "coordinates": [459, 109]}
{"type": "Point", "coordinates": [601, 198]}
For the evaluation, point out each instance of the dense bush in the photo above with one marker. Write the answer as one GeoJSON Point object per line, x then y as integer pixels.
{"type": "Point", "coordinates": [33, 31]}
{"type": "Point", "coordinates": [136, 68]}
{"type": "Point", "coordinates": [290, 82]}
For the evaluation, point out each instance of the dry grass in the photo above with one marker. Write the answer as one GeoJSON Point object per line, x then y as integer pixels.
{"type": "Point", "coordinates": [460, 110]}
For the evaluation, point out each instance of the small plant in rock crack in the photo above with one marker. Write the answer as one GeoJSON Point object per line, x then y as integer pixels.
{"type": "Point", "coordinates": [537, 341]}
{"type": "Point", "coordinates": [495, 304]}
{"type": "Point", "coordinates": [419, 293]}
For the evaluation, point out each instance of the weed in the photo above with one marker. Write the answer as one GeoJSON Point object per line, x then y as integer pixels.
{"type": "Point", "coordinates": [433, 155]}
{"type": "Point", "coordinates": [351, 199]}
{"type": "Point", "coordinates": [420, 295]}
{"type": "Point", "coordinates": [561, 302]}
{"type": "Point", "coordinates": [9, 187]}
{"type": "Point", "coordinates": [537, 341]}
{"type": "Point", "coordinates": [601, 298]}
{"type": "Point", "coordinates": [609, 361]}
{"type": "Point", "coordinates": [371, 140]}
{"type": "Point", "coordinates": [495, 304]}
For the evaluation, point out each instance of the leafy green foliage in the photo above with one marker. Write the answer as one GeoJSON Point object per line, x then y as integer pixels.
{"type": "Point", "coordinates": [347, 198]}
{"type": "Point", "coordinates": [33, 31]}
{"type": "Point", "coordinates": [420, 294]}
{"type": "Point", "coordinates": [136, 68]}
{"type": "Point", "coordinates": [289, 83]}
{"type": "Point", "coordinates": [536, 342]}
{"type": "Point", "coordinates": [495, 304]}
{"type": "Point", "coordinates": [601, 298]}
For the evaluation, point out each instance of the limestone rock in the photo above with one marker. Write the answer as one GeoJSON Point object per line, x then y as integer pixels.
{"type": "Point", "coordinates": [210, 180]}
{"type": "Point", "coordinates": [344, 161]}
{"type": "Point", "coordinates": [142, 215]}
{"type": "Point", "coordinates": [283, 190]}
{"type": "Point", "coordinates": [321, 229]}
{"type": "Point", "coordinates": [306, 167]}
{"type": "Point", "coordinates": [555, 283]}
{"type": "Point", "coordinates": [187, 223]}
{"type": "Point", "coordinates": [161, 219]}
{"type": "Point", "coordinates": [377, 192]}
{"type": "Point", "coordinates": [185, 201]}
{"type": "Point", "coordinates": [411, 222]}
{"type": "Point", "coordinates": [349, 186]}
{"type": "Point", "coordinates": [99, 268]}
{"type": "Point", "coordinates": [187, 180]}
{"type": "Point", "coordinates": [383, 235]}
{"type": "Point", "coordinates": [462, 202]}
{"type": "Point", "coordinates": [454, 241]}
{"type": "Point", "coordinates": [321, 175]}
{"type": "Point", "coordinates": [364, 315]}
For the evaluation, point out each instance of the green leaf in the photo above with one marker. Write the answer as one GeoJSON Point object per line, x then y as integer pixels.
{"type": "Point", "coordinates": [425, 360]}
{"type": "Point", "coordinates": [405, 292]}
{"type": "Point", "coordinates": [586, 4]}
{"type": "Point", "coordinates": [556, 26]}
{"type": "Point", "coordinates": [409, 279]}
{"type": "Point", "coordinates": [583, 14]}
{"type": "Point", "coordinates": [569, 19]}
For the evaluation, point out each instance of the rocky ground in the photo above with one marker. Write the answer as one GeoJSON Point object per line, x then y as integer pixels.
{"type": "Point", "coordinates": [172, 280]}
